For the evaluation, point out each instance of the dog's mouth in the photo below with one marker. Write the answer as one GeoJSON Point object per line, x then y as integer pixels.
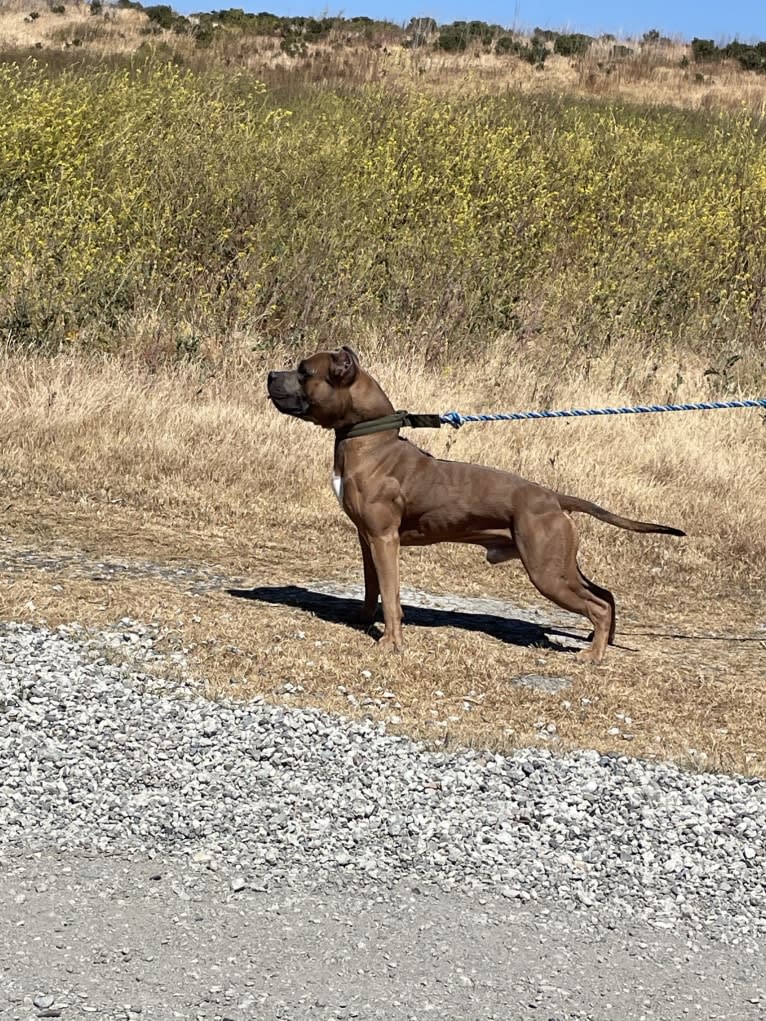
{"type": "Point", "coordinates": [290, 405]}
{"type": "Point", "coordinates": [286, 395]}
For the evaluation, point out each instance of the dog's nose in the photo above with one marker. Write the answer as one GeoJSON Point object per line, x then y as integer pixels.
{"type": "Point", "coordinates": [271, 377]}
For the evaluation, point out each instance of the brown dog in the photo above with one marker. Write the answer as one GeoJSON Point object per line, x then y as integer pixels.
{"type": "Point", "coordinates": [397, 495]}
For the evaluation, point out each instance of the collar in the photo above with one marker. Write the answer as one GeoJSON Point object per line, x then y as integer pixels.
{"type": "Point", "coordinates": [397, 421]}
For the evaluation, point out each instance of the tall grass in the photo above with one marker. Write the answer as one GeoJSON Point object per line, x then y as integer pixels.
{"type": "Point", "coordinates": [197, 203]}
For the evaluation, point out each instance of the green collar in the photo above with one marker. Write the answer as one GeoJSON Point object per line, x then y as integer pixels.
{"type": "Point", "coordinates": [399, 420]}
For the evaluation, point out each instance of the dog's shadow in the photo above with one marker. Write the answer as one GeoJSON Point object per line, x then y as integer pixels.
{"type": "Point", "coordinates": [345, 609]}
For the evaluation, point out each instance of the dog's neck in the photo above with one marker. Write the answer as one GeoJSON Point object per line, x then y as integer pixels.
{"type": "Point", "coordinates": [368, 404]}
{"type": "Point", "coordinates": [368, 401]}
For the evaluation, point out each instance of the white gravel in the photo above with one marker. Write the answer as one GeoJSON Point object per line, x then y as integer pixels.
{"type": "Point", "coordinates": [96, 755]}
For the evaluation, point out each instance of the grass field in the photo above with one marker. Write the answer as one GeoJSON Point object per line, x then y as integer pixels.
{"type": "Point", "coordinates": [192, 468]}
{"type": "Point", "coordinates": [176, 222]}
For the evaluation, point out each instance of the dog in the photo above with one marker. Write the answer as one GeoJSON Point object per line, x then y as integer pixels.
{"type": "Point", "coordinates": [398, 495]}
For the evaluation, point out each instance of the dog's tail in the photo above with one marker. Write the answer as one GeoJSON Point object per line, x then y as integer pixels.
{"type": "Point", "coordinates": [574, 503]}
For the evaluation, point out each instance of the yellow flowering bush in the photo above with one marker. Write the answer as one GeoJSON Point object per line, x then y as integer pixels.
{"type": "Point", "coordinates": [200, 197]}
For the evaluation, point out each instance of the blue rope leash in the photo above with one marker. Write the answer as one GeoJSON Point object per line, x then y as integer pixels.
{"type": "Point", "coordinates": [455, 419]}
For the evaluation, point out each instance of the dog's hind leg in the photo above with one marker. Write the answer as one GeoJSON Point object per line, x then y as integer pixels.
{"type": "Point", "coordinates": [547, 544]}
{"type": "Point", "coordinates": [606, 595]}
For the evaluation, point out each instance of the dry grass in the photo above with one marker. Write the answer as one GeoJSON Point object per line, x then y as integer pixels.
{"type": "Point", "coordinates": [189, 467]}
{"type": "Point", "coordinates": [117, 31]}
{"type": "Point", "coordinates": [650, 75]}
{"type": "Point", "coordinates": [651, 82]}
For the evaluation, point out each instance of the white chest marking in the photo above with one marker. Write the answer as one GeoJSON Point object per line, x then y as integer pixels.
{"type": "Point", "coordinates": [337, 485]}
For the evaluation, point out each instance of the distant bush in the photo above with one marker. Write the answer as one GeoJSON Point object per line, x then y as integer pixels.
{"type": "Point", "coordinates": [204, 34]}
{"type": "Point", "coordinates": [573, 45]}
{"type": "Point", "coordinates": [163, 16]}
{"type": "Point", "coordinates": [419, 31]}
{"type": "Point", "coordinates": [533, 53]}
{"type": "Point", "coordinates": [421, 26]}
{"type": "Point", "coordinates": [705, 51]}
{"type": "Point", "coordinates": [293, 29]}
{"type": "Point", "coordinates": [653, 38]}
{"type": "Point", "coordinates": [750, 58]}
{"type": "Point", "coordinates": [160, 14]}
{"type": "Point", "coordinates": [456, 37]}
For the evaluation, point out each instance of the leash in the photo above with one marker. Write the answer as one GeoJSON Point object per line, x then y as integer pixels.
{"type": "Point", "coordinates": [455, 419]}
{"type": "Point", "coordinates": [408, 420]}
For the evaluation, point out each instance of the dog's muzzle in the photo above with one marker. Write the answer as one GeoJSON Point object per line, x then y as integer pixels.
{"type": "Point", "coordinates": [286, 395]}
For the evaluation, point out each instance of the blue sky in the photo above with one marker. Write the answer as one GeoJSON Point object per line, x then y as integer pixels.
{"type": "Point", "coordinates": [709, 19]}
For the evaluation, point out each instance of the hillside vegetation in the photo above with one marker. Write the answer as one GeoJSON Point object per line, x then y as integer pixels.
{"type": "Point", "coordinates": [203, 202]}
{"type": "Point", "coordinates": [461, 54]}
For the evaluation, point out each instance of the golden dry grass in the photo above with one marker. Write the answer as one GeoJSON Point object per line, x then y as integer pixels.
{"type": "Point", "coordinates": [659, 82]}
{"type": "Point", "coordinates": [189, 467]}
{"type": "Point", "coordinates": [651, 75]}
{"type": "Point", "coordinates": [118, 30]}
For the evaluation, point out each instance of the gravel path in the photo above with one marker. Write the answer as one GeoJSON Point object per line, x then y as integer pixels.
{"type": "Point", "coordinates": [143, 829]}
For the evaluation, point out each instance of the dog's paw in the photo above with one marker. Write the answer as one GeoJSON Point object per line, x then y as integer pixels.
{"type": "Point", "coordinates": [588, 656]}
{"type": "Point", "coordinates": [389, 644]}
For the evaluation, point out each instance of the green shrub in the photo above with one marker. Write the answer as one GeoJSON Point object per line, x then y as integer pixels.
{"type": "Point", "coordinates": [534, 53]}
{"type": "Point", "coordinates": [161, 15]}
{"type": "Point", "coordinates": [573, 45]}
{"type": "Point", "coordinates": [705, 51]}
{"type": "Point", "coordinates": [204, 34]}
{"type": "Point", "coordinates": [419, 31]}
{"type": "Point", "coordinates": [750, 58]}
{"type": "Point", "coordinates": [455, 38]}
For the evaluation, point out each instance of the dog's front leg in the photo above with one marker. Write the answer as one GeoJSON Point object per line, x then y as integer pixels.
{"type": "Point", "coordinates": [371, 585]}
{"type": "Point", "coordinates": [385, 558]}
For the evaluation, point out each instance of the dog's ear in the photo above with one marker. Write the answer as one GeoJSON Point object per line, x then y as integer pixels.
{"type": "Point", "coordinates": [343, 366]}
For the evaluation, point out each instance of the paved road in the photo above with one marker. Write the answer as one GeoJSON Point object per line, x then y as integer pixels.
{"type": "Point", "coordinates": [142, 938]}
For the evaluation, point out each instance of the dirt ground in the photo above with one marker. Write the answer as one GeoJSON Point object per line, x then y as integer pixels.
{"type": "Point", "coordinates": [487, 661]}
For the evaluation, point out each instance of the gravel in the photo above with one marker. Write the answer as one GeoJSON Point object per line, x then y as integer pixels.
{"type": "Point", "coordinates": [99, 754]}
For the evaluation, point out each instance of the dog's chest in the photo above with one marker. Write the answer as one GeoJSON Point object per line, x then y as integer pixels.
{"type": "Point", "coordinates": [337, 487]}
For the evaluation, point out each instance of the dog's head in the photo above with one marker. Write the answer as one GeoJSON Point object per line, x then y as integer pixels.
{"type": "Point", "coordinates": [320, 389]}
